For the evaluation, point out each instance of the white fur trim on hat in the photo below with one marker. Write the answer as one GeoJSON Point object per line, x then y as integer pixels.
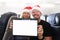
{"type": "Point", "coordinates": [37, 8]}
{"type": "Point", "coordinates": [25, 10]}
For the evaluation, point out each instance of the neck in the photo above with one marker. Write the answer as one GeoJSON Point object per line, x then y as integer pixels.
{"type": "Point", "coordinates": [39, 20]}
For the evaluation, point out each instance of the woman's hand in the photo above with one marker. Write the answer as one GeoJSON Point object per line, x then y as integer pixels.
{"type": "Point", "coordinates": [11, 25]}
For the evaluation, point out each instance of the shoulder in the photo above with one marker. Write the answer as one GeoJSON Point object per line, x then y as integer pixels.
{"type": "Point", "coordinates": [47, 28]}
{"type": "Point", "coordinates": [44, 22]}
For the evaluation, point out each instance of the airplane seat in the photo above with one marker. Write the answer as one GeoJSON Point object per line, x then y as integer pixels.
{"type": "Point", "coordinates": [8, 32]}
{"type": "Point", "coordinates": [0, 21]}
{"type": "Point", "coordinates": [0, 28]}
{"type": "Point", "coordinates": [4, 20]}
{"type": "Point", "coordinates": [56, 33]}
{"type": "Point", "coordinates": [10, 36]}
{"type": "Point", "coordinates": [54, 20]}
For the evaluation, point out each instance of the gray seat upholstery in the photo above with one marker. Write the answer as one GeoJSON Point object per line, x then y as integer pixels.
{"type": "Point", "coordinates": [55, 24]}
{"type": "Point", "coordinates": [8, 33]}
{"type": "Point", "coordinates": [3, 22]}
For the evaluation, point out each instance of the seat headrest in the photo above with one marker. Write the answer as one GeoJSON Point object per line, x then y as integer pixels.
{"type": "Point", "coordinates": [5, 17]}
{"type": "Point", "coordinates": [54, 19]}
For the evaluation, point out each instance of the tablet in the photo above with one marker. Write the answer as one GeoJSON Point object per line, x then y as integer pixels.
{"type": "Point", "coordinates": [25, 27]}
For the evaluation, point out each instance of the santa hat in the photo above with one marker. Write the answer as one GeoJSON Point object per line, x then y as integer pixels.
{"type": "Point", "coordinates": [26, 9]}
{"type": "Point", "coordinates": [37, 7]}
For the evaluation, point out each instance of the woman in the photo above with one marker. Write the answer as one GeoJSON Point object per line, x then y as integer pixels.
{"type": "Point", "coordinates": [25, 15]}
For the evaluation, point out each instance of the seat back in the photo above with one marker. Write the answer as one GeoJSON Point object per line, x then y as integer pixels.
{"type": "Point", "coordinates": [54, 20]}
{"type": "Point", "coordinates": [8, 34]}
{"type": "Point", "coordinates": [4, 20]}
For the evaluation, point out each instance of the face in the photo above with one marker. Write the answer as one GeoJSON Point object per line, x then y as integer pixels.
{"type": "Point", "coordinates": [26, 15]}
{"type": "Point", "coordinates": [36, 14]}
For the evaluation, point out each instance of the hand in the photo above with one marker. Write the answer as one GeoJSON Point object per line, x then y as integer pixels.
{"type": "Point", "coordinates": [11, 25]}
{"type": "Point", "coordinates": [40, 31]}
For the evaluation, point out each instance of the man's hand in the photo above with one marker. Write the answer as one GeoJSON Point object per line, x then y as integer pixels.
{"type": "Point", "coordinates": [40, 31]}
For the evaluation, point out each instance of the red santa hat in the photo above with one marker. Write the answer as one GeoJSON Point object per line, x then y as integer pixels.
{"type": "Point", "coordinates": [26, 9]}
{"type": "Point", "coordinates": [37, 7]}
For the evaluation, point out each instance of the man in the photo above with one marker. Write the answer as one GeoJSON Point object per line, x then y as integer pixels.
{"type": "Point", "coordinates": [44, 29]}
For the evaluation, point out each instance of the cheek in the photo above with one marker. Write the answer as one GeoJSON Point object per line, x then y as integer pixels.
{"type": "Point", "coordinates": [28, 15]}
{"type": "Point", "coordinates": [39, 14]}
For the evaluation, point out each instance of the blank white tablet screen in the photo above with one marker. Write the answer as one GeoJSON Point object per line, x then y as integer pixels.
{"type": "Point", "coordinates": [25, 27]}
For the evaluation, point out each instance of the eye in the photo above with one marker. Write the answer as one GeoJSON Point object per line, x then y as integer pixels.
{"type": "Point", "coordinates": [33, 12]}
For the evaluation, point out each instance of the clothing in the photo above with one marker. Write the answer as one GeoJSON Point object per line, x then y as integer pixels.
{"type": "Point", "coordinates": [9, 36]}
{"type": "Point", "coordinates": [46, 30]}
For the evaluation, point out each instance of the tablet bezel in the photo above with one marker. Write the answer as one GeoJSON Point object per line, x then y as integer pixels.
{"type": "Point", "coordinates": [23, 19]}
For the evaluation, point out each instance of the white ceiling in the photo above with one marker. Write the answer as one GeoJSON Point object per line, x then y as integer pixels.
{"type": "Point", "coordinates": [22, 3]}
{"type": "Point", "coordinates": [33, 1]}
{"type": "Point", "coordinates": [15, 5]}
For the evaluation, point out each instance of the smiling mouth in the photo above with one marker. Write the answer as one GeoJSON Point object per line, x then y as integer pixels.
{"type": "Point", "coordinates": [35, 15]}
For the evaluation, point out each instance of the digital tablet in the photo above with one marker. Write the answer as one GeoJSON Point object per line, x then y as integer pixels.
{"type": "Point", "coordinates": [24, 27]}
